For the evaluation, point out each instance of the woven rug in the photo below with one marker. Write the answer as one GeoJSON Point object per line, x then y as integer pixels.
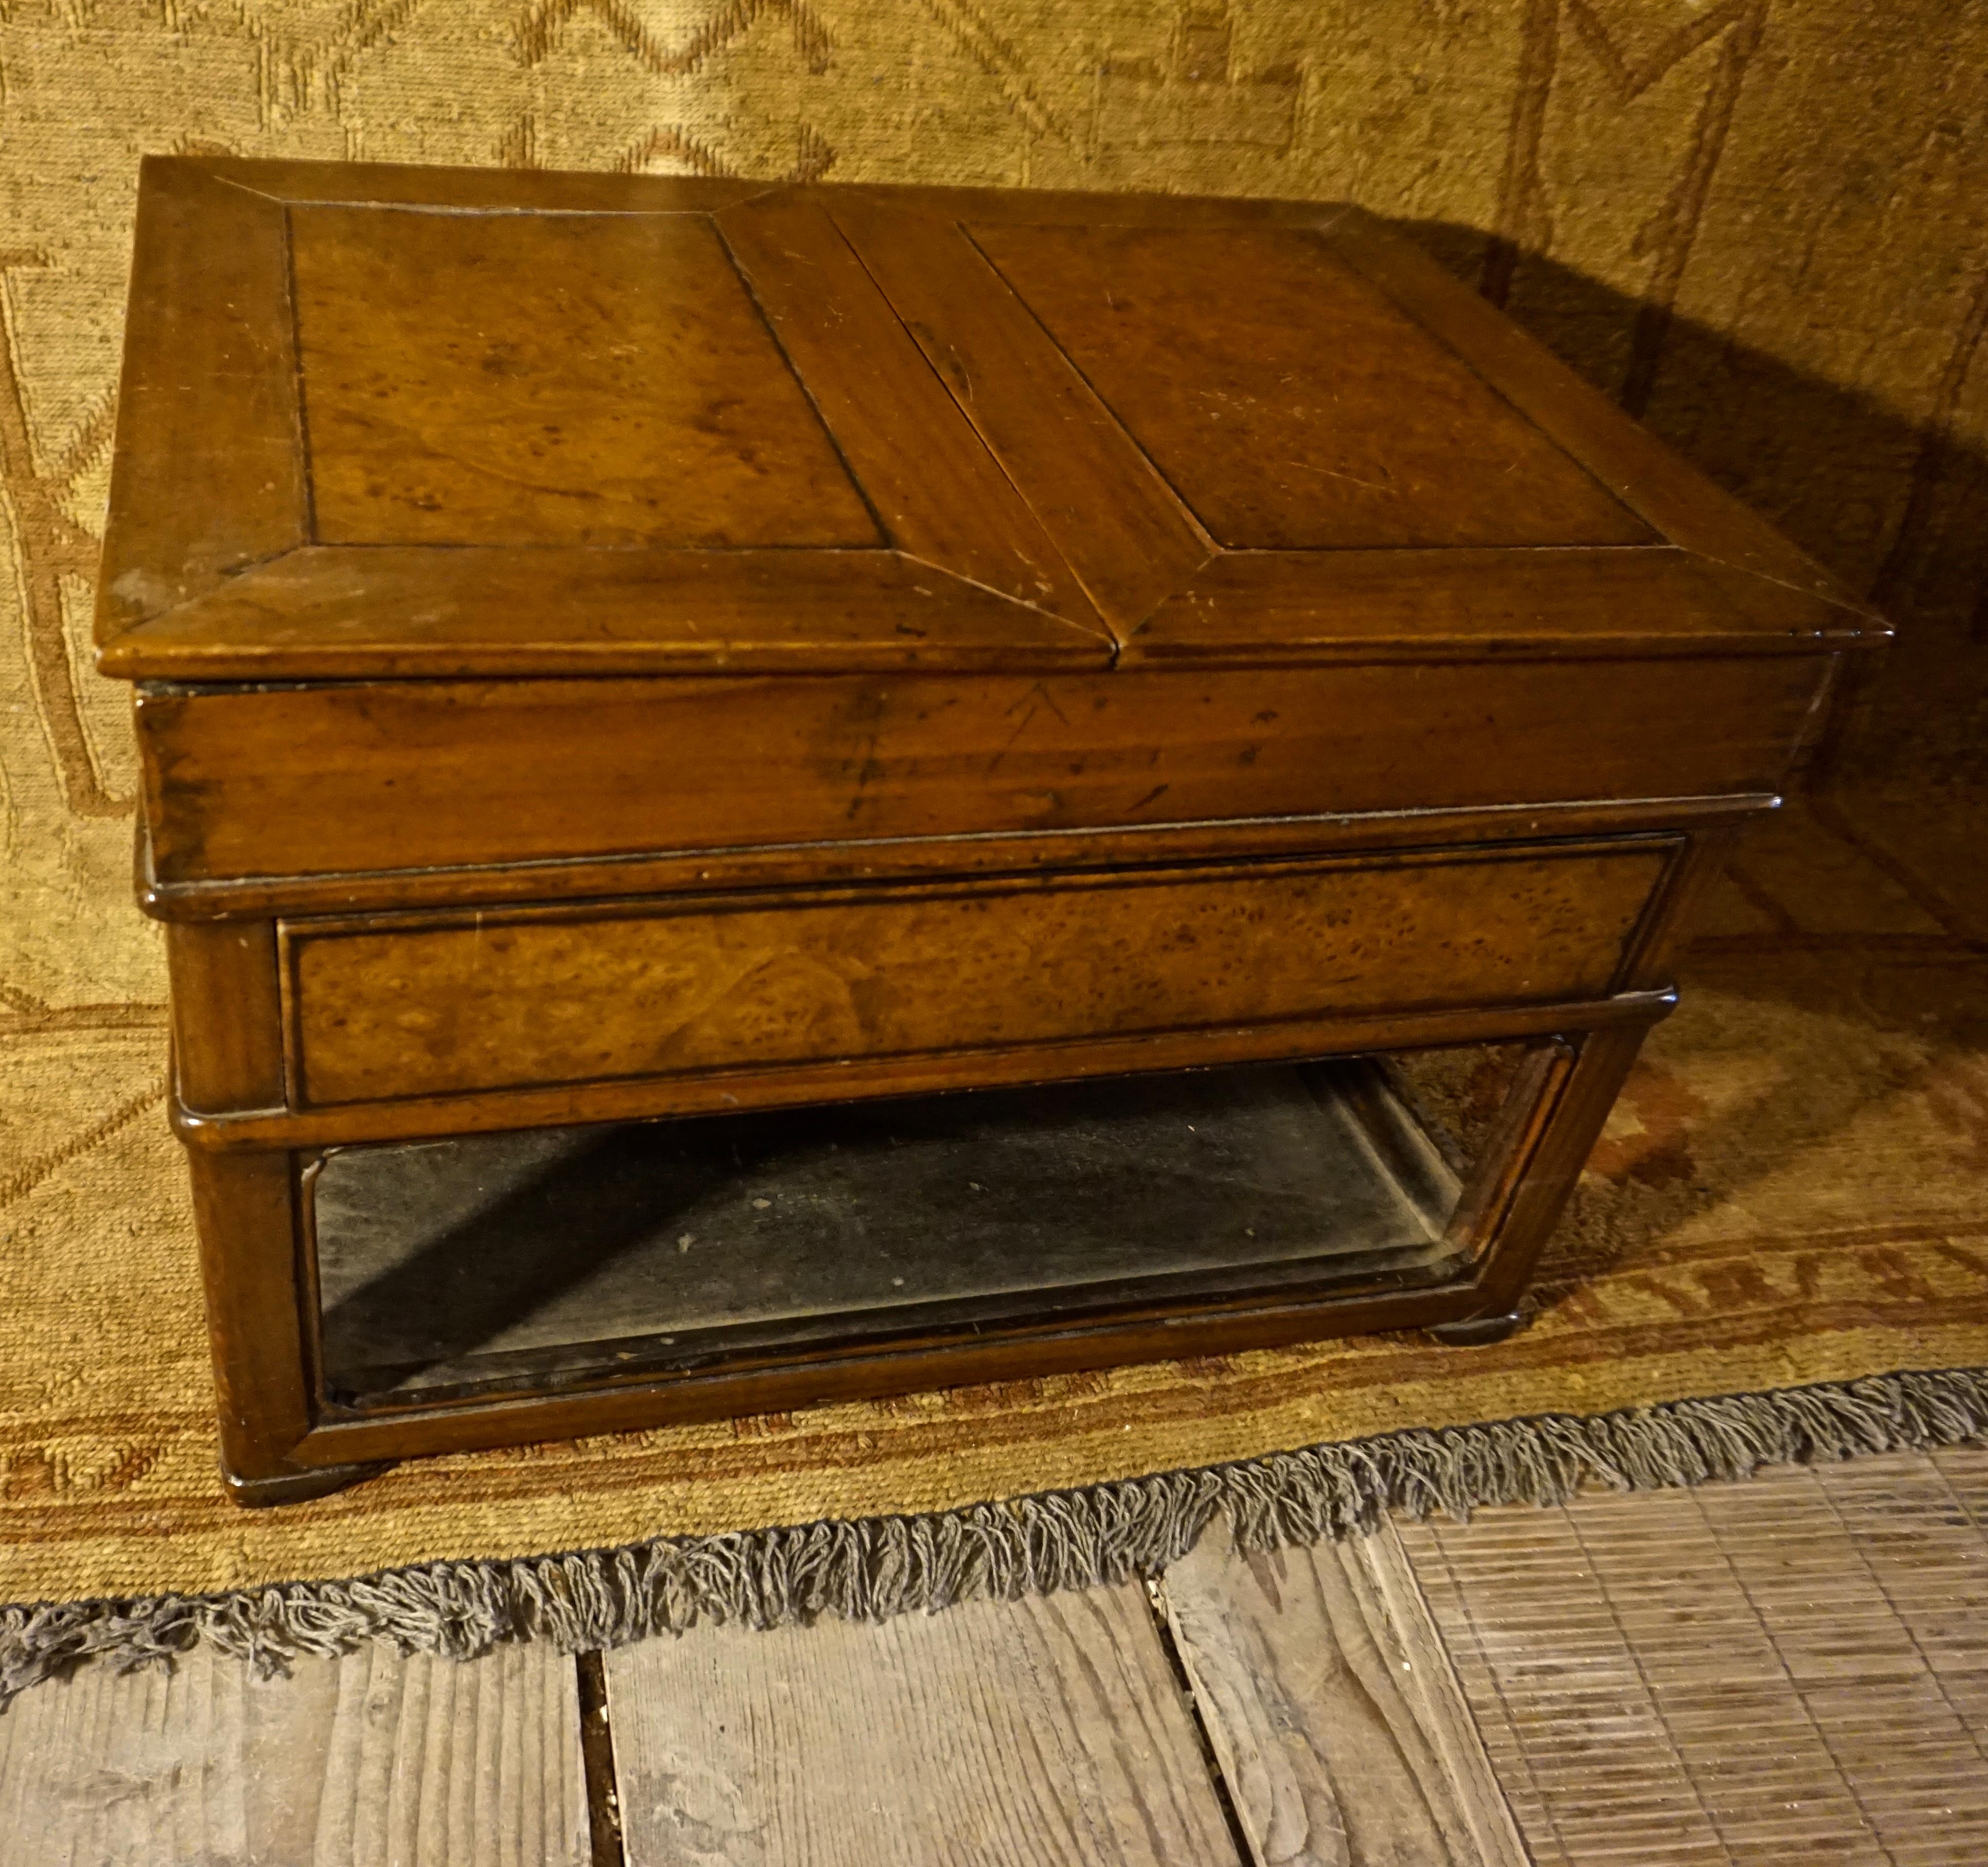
{"type": "Point", "coordinates": [1782, 1246]}
{"type": "Point", "coordinates": [1789, 1206]}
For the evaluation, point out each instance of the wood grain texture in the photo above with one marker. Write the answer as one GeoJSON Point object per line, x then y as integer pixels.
{"type": "Point", "coordinates": [1123, 530]}
{"type": "Point", "coordinates": [644, 522]}
{"type": "Point", "coordinates": [227, 1040]}
{"type": "Point", "coordinates": [441, 187]}
{"type": "Point", "coordinates": [1156, 1332]}
{"type": "Point", "coordinates": [428, 774]}
{"type": "Point", "coordinates": [564, 379]}
{"type": "Point", "coordinates": [943, 499]}
{"type": "Point", "coordinates": [523, 1000]}
{"type": "Point", "coordinates": [592, 363]}
{"type": "Point", "coordinates": [847, 1079]}
{"type": "Point", "coordinates": [1019, 852]}
{"type": "Point", "coordinates": [1032, 207]}
{"type": "Point", "coordinates": [329, 611]}
{"type": "Point", "coordinates": [374, 1760]}
{"type": "Point", "coordinates": [1334, 1715]}
{"type": "Point", "coordinates": [204, 487]}
{"type": "Point", "coordinates": [1544, 1174]}
{"type": "Point", "coordinates": [253, 1277]}
{"type": "Point", "coordinates": [1283, 608]}
{"type": "Point", "coordinates": [1790, 1668]}
{"type": "Point", "coordinates": [1049, 1732]}
{"type": "Point", "coordinates": [1683, 505]}
{"type": "Point", "coordinates": [1291, 404]}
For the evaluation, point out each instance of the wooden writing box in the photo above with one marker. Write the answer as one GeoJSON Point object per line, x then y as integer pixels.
{"type": "Point", "coordinates": [609, 648]}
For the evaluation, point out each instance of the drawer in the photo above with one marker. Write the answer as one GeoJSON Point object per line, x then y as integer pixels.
{"type": "Point", "coordinates": [437, 1004]}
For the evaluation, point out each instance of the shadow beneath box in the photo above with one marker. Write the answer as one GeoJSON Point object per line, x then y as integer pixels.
{"type": "Point", "coordinates": [444, 1264]}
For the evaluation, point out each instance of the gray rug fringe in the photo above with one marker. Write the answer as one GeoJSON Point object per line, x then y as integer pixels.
{"type": "Point", "coordinates": [871, 1568]}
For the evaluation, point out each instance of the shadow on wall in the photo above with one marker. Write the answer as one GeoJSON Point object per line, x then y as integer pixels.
{"type": "Point", "coordinates": [1899, 510]}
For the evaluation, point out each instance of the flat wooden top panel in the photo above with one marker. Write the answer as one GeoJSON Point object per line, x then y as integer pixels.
{"type": "Point", "coordinates": [402, 422]}
{"type": "Point", "coordinates": [1291, 406]}
{"type": "Point", "coordinates": [571, 378]}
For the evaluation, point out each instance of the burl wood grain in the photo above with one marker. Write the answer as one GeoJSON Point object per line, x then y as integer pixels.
{"type": "Point", "coordinates": [506, 1000]}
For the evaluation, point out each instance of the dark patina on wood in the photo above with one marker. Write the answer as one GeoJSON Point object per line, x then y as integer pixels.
{"type": "Point", "coordinates": [610, 649]}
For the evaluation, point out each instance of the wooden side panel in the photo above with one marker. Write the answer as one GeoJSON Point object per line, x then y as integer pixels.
{"type": "Point", "coordinates": [428, 774]}
{"type": "Point", "coordinates": [1270, 607]}
{"type": "Point", "coordinates": [201, 487]}
{"type": "Point", "coordinates": [1588, 1091]}
{"type": "Point", "coordinates": [243, 1205]}
{"type": "Point", "coordinates": [1038, 207]}
{"type": "Point", "coordinates": [490, 1002]}
{"type": "Point", "coordinates": [498, 190]}
{"type": "Point", "coordinates": [368, 612]}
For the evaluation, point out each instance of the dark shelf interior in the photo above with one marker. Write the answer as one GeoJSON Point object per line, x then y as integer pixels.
{"type": "Point", "coordinates": [564, 1255]}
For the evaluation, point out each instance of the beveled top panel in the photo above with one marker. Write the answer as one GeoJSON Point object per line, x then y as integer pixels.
{"type": "Point", "coordinates": [1287, 402]}
{"type": "Point", "coordinates": [426, 422]}
{"type": "Point", "coordinates": [551, 379]}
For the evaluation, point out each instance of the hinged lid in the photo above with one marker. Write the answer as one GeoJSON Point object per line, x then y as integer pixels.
{"type": "Point", "coordinates": [425, 422]}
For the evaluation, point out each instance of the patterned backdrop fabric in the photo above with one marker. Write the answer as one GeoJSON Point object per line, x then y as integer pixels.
{"type": "Point", "coordinates": [1762, 224]}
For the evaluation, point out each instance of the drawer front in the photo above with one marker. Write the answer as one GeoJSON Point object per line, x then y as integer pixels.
{"type": "Point", "coordinates": [440, 1005]}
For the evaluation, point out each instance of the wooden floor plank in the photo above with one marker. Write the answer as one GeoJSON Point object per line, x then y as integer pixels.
{"type": "Point", "coordinates": [1340, 1730]}
{"type": "Point", "coordinates": [1795, 1668]}
{"type": "Point", "coordinates": [1044, 1732]}
{"type": "Point", "coordinates": [376, 1758]}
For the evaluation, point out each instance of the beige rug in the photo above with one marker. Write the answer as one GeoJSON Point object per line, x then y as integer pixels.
{"type": "Point", "coordinates": [1793, 1195]}
{"type": "Point", "coordinates": [1711, 208]}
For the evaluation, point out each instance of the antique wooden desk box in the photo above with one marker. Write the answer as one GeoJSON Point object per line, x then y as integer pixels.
{"type": "Point", "coordinates": [614, 648]}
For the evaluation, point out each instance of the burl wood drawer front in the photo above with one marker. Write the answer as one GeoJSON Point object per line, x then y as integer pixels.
{"type": "Point", "coordinates": [431, 1005]}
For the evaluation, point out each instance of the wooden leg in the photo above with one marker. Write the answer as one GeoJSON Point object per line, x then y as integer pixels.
{"type": "Point", "coordinates": [1522, 1188]}
{"type": "Point", "coordinates": [243, 1204]}
{"type": "Point", "coordinates": [1475, 1332]}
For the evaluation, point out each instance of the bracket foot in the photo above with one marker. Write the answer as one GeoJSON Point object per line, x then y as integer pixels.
{"type": "Point", "coordinates": [1475, 1332]}
{"type": "Point", "coordinates": [297, 1486]}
